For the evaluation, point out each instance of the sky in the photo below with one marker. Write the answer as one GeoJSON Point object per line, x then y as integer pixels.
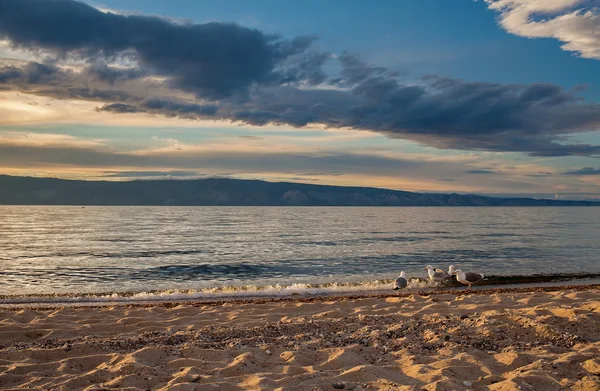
{"type": "Point", "coordinates": [498, 97]}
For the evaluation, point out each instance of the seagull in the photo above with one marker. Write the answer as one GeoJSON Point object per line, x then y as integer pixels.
{"type": "Point", "coordinates": [435, 274]}
{"type": "Point", "coordinates": [468, 278]}
{"type": "Point", "coordinates": [440, 273]}
{"type": "Point", "coordinates": [451, 270]}
{"type": "Point", "coordinates": [401, 282]}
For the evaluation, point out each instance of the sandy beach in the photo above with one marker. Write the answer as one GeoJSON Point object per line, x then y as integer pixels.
{"type": "Point", "coordinates": [503, 339]}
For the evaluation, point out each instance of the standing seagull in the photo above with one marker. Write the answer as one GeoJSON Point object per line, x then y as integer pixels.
{"type": "Point", "coordinates": [401, 282]}
{"type": "Point", "coordinates": [435, 274]}
{"type": "Point", "coordinates": [441, 274]}
{"type": "Point", "coordinates": [468, 278]}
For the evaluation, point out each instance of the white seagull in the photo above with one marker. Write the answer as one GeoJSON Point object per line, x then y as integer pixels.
{"type": "Point", "coordinates": [451, 270]}
{"type": "Point", "coordinates": [436, 274]}
{"type": "Point", "coordinates": [401, 282]}
{"type": "Point", "coordinates": [468, 278]}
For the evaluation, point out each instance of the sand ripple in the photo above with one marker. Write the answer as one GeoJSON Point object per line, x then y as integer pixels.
{"type": "Point", "coordinates": [497, 341]}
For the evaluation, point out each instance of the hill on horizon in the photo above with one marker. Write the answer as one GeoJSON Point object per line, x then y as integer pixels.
{"type": "Point", "coordinates": [235, 192]}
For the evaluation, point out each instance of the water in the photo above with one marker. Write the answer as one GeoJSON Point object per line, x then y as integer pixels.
{"type": "Point", "coordinates": [74, 250]}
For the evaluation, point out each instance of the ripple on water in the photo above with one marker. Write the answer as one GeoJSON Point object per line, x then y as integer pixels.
{"type": "Point", "coordinates": [72, 249]}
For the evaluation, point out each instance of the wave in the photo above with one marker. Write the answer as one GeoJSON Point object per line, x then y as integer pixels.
{"type": "Point", "coordinates": [280, 291]}
{"type": "Point", "coordinates": [124, 254]}
{"type": "Point", "coordinates": [218, 293]}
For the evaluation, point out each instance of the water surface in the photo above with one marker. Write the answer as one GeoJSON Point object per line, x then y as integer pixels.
{"type": "Point", "coordinates": [55, 249]}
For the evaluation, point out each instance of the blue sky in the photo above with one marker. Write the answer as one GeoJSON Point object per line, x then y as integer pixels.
{"type": "Point", "coordinates": [493, 97]}
{"type": "Point", "coordinates": [452, 38]}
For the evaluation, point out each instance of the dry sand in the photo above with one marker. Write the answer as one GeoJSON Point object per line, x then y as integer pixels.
{"type": "Point", "coordinates": [497, 340]}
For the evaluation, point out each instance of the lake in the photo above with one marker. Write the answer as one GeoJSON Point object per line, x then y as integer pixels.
{"type": "Point", "coordinates": [55, 249]}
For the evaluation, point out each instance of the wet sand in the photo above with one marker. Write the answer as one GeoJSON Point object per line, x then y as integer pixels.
{"type": "Point", "coordinates": [501, 339]}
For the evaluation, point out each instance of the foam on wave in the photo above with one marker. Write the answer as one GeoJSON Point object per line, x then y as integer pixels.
{"type": "Point", "coordinates": [273, 291]}
{"type": "Point", "coordinates": [219, 293]}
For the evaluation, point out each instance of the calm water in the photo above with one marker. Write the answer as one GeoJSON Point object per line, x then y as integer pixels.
{"type": "Point", "coordinates": [103, 249]}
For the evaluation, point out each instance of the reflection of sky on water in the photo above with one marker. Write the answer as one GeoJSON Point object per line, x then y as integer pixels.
{"type": "Point", "coordinates": [73, 249]}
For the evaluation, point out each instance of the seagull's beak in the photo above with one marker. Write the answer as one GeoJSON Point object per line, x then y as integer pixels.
{"type": "Point", "coordinates": [424, 268]}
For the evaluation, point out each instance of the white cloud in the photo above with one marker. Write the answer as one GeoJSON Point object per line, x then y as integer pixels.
{"type": "Point", "coordinates": [45, 140]}
{"type": "Point", "coordinates": [573, 22]}
{"type": "Point", "coordinates": [8, 52]}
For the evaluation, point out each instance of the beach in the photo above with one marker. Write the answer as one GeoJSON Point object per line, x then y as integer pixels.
{"type": "Point", "coordinates": [497, 339]}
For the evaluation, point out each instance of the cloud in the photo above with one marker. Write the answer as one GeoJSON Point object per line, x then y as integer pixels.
{"type": "Point", "coordinates": [540, 174]}
{"type": "Point", "coordinates": [50, 80]}
{"type": "Point", "coordinates": [14, 139]}
{"type": "Point", "coordinates": [142, 64]}
{"type": "Point", "coordinates": [112, 74]}
{"type": "Point", "coordinates": [320, 174]}
{"type": "Point", "coordinates": [212, 60]}
{"type": "Point", "coordinates": [576, 23]}
{"type": "Point", "coordinates": [150, 174]}
{"type": "Point", "coordinates": [480, 172]}
{"type": "Point", "coordinates": [50, 150]}
{"type": "Point", "coordinates": [439, 112]}
{"type": "Point", "coordinates": [60, 155]}
{"type": "Point", "coordinates": [443, 113]}
{"type": "Point", "coordinates": [164, 107]}
{"type": "Point", "coordinates": [583, 171]}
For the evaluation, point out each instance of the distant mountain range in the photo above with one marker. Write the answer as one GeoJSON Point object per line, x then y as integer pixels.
{"type": "Point", "coordinates": [234, 192]}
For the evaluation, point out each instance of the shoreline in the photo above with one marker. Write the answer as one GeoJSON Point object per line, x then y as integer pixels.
{"type": "Point", "coordinates": [307, 298]}
{"type": "Point", "coordinates": [500, 339]}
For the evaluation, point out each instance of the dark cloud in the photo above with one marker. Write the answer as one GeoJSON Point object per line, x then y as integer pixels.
{"type": "Point", "coordinates": [30, 74]}
{"type": "Point", "coordinates": [320, 174]}
{"type": "Point", "coordinates": [244, 75]}
{"type": "Point", "coordinates": [49, 80]}
{"type": "Point", "coordinates": [179, 109]}
{"type": "Point", "coordinates": [355, 71]}
{"type": "Point", "coordinates": [8, 74]}
{"type": "Point", "coordinates": [308, 67]}
{"type": "Point", "coordinates": [540, 175]}
{"type": "Point", "coordinates": [256, 117]}
{"type": "Point", "coordinates": [584, 171]}
{"type": "Point", "coordinates": [49, 74]}
{"type": "Point", "coordinates": [164, 107]}
{"type": "Point", "coordinates": [148, 174]}
{"type": "Point", "coordinates": [212, 60]}
{"type": "Point", "coordinates": [120, 108]}
{"type": "Point", "coordinates": [446, 180]}
{"type": "Point", "coordinates": [223, 161]}
{"type": "Point", "coordinates": [451, 114]}
{"type": "Point", "coordinates": [111, 74]}
{"type": "Point", "coordinates": [480, 172]}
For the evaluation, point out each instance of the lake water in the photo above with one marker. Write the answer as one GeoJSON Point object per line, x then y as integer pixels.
{"type": "Point", "coordinates": [54, 249]}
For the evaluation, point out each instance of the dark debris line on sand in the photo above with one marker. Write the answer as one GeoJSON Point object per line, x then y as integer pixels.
{"type": "Point", "coordinates": [492, 331]}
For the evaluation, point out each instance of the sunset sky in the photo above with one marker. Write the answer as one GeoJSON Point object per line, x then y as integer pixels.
{"type": "Point", "coordinates": [490, 96]}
